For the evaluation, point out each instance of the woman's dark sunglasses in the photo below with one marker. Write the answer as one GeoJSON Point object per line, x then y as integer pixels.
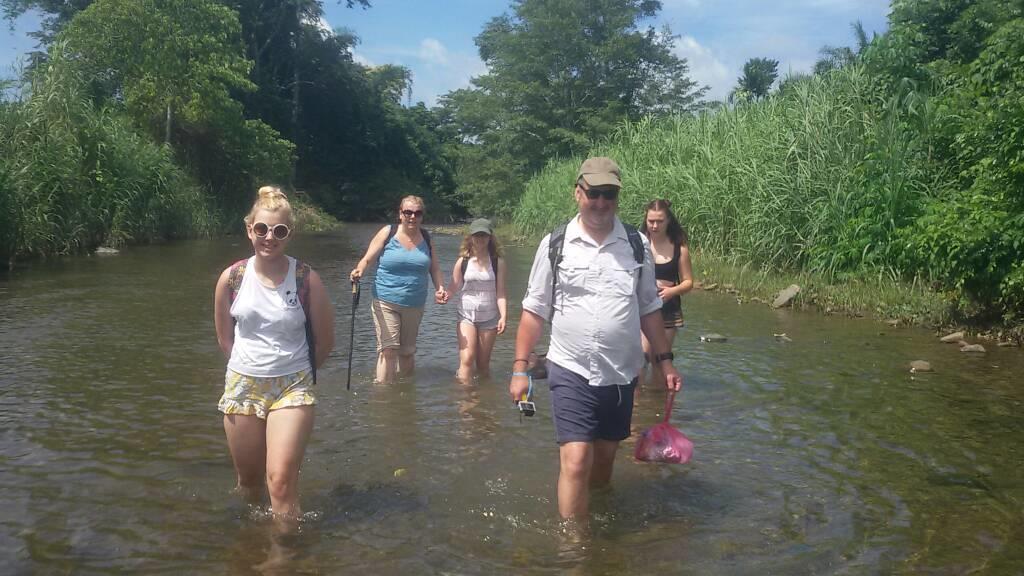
{"type": "Point", "coordinates": [280, 231]}
{"type": "Point", "coordinates": [411, 213]}
{"type": "Point", "coordinates": [610, 193]}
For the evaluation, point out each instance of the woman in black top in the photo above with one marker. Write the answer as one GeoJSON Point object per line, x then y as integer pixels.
{"type": "Point", "coordinates": [672, 269]}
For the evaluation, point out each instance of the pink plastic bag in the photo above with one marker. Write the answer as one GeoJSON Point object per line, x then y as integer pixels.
{"type": "Point", "coordinates": [662, 442]}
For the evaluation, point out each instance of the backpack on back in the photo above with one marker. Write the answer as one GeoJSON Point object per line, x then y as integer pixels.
{"type": "Point", "coordinates": [426, 237]}
{"type": "Point", "coordinates": [494, 262]}
{"type": "Point", "coordinates": [302, 270]}
{"type": "Point", "coordinates": [557, 242]}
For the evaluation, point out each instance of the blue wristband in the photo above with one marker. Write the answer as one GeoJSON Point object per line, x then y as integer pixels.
{"type": "Point", "coordinates": [520, 373]}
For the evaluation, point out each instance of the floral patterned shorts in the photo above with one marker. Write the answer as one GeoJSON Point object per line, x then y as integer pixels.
{"type": "Point", "coordinates": [252, 395]}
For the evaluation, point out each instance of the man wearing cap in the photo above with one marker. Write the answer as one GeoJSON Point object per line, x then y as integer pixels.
{"type": "Point", "coordinates": [598, 301]}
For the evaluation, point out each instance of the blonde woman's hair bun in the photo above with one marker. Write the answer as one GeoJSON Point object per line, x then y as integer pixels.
{"type": "Point", "coordinates": [269, 192]}
{"type": "Point", "coordinates": [270, 198]}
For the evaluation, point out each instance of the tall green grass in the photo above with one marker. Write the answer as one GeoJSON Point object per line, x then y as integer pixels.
{"type": "Point", "coordinates": [74, 176]}
{"type": "Point", "coordinates": [815, 178]}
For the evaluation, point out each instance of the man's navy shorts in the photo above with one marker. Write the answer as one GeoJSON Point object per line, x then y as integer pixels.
{"type": "Point", "coordinates": [584, 413]}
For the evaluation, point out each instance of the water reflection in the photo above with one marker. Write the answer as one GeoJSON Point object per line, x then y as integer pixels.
{"type": "Point", "coordinates": [820, 455]}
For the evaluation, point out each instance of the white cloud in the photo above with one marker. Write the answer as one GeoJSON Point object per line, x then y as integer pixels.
{"type": "Point", "coordinates": [436, 70]}
{"type": "Point", "coordinates": [705, 67]}
{"type": "Point", "coordinates": [433, 52]}
{"type": "Point", "coordinates": [359, 58]}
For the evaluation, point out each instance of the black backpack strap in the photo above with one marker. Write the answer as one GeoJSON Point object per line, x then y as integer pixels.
{"type": "Point", "coordinates": [555, 244]}
{"type": "Point", "coordinates": [302, 271]}
{"type": "Point", "coordinates": [636, 242]}
{"type": "Point", "coordinates": [426, 236]}
{"type": "Point", "coordinates": [465, 266]}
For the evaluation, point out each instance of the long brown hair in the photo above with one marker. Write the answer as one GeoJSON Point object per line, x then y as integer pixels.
{"type": "Point", "coordinates": [675, 232]}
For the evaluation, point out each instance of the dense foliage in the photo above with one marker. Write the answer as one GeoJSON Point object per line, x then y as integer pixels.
{"type": "Point", "coordinates": [562, 74]}
{"type": "Point", "coordinates": [231, 94]}
{"type": "Point", "coordinates": [904, 157]}
{"type": "Point", "coordinates": [73, 175]}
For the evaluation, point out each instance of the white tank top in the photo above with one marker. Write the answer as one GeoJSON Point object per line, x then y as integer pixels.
{"type": "Point", "coordinates": [478, 301]}
{"type": "Point", "coordinates": [270, 327]}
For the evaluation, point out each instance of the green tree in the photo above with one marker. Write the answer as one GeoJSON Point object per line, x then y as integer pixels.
{"type": "Point", "coordinates": [164, 57]}
{"type": "Point", "coordinates": [835, 57]}
{"type": "Point", "coordinates": [561, 75]}
{"type": "Point", "coordinates": [758, 76]}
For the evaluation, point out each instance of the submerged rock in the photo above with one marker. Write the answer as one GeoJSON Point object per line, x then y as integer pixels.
{"type": "Point", "coordinates": [782, 337]}
{"type": "Point", "coordinates": [920, 366]}
{"type": "Point", "coordinates": [107, 250]}
{"type": "Point", "coordinates": [972, 348]}
{"type": "Point", "coordinates": [953, 338]}
{"type": "Point", "coordinates": [713, 338]}
{"type": "Point", "coordinates": [786, 296]}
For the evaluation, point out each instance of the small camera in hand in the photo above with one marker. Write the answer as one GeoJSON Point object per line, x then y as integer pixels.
{"type": "Point", "coordinates": [526, 408]}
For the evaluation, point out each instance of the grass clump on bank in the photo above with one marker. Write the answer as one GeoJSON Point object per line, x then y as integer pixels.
{"type": "Point", "coordinates": [309, 217]}
{"type": "Point", "coordinates": [880, 297]}
{"type": "Point", "coordinates": [816, 185]}
{"type": "Point", "coordinates": [74, 176]}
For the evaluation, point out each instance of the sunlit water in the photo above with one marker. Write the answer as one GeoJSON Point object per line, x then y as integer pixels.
{"type": "Point", "coordinates": [823, 455]}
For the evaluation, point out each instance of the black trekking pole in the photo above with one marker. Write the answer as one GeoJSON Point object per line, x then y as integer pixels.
{"type": "Point", "coordinates": [352, 332]}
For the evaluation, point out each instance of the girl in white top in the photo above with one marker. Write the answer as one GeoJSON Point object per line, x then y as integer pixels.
{"type": "Point", "coordinates": [261, 328]}
{"type": "Point", "coordinates": [479, 280]}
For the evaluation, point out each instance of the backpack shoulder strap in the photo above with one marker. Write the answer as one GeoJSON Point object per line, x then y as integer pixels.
{"type": "Point", "coordinates": [464, 266]}
{"type": "Point", "coordinates": [635, 241]}
{"type": "Point", "coordinates": [392, 230]}
{"type": "Point", "coordinates": [555, 244]}
{"type": "Point", "coordinates": [235, 276]}
{"type": "Point", "coordinates": [426, 238]}
{"type": "Point", "coordinates": [302, 271]}
{"type": "Point", "coordinates": [494, 259]}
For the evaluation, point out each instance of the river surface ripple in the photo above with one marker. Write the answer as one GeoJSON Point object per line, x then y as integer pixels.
{"type": "Point", "coordinates": [823, 455]}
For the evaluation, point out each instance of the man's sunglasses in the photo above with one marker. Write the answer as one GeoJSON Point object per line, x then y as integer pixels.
{"type": "Point", "coordinates": [610, 193]}
{"type": "Point", "coordinates": [280, 231]}
{"type": "Point", "coordinates": [411, 213]}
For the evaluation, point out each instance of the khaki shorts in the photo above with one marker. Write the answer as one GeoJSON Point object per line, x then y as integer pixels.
{"type": "Point", "coordinates": [256, 396]}
{"type": "Point", "coordinates": [397, 326]}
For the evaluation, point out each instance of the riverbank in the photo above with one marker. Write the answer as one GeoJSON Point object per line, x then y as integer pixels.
{"type": "Point", "coordinates": [893, 302]}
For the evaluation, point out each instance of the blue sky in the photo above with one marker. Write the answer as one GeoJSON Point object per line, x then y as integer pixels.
{"type": "Point", "coordinates": [435, 38]}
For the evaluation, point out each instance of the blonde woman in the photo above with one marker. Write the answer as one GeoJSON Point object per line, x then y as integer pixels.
{"type": "Point", "coordinates": [479, 280]}
{"type": "Point", "coordinates": [405, 259]}
{"type": "Point", "coordinates": [275, 324]}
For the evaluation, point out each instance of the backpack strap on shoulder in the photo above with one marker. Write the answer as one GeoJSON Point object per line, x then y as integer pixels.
{"type": "Point", "coordinates": [302, 271]}
{"type": "Point", "coordinates": [555, 244]}
{"type": "Point", "coordinates": [636, 242]}
{"type": "Point", "coordinates": [426, 236]}
{"type": "Point", "coordinates": [235, 276]}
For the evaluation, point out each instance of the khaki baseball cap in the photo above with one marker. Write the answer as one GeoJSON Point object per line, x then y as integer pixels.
{"type": "Point", "coordinates": [600, 171]}
{"type": "Point", "coordinates": [481, 225]}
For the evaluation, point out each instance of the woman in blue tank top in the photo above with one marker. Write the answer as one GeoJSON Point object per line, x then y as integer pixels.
{"type": "Point", "coordinates": [404, 260]}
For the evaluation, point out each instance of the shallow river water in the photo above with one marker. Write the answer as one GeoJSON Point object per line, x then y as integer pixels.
{"type": "Point", "coordinates": [822, 455]}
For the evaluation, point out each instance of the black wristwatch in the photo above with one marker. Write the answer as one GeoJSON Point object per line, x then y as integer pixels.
{"type": "Point", "coordinates": [664, 356]}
